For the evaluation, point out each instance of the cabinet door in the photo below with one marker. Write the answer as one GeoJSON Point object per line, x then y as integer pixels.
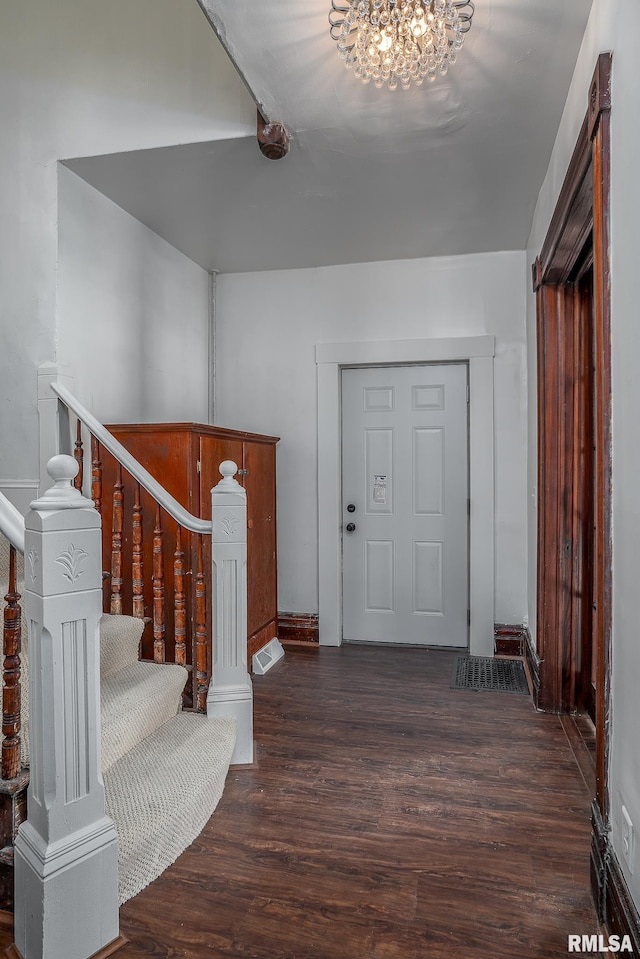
{"type": "Point", "coordinates": [260, 483]}
{"type": "Point", "coordinates": [213, 451]}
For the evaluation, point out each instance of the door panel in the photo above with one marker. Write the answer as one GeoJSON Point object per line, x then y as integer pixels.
{"type": "Point", "coordinates": [405, 466]}
{"type": "Point", "coordinates": [259, 481]}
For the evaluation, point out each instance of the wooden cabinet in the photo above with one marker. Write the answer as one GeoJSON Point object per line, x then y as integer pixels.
{"type": "Point", "coordinates": [185, 457]}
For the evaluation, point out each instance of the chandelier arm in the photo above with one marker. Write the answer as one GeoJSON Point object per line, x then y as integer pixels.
{"type": "Point", "coordinates": [337, 8]}
{"type": "Point", "coordinates": [337, 27]}
{"type": "Point", "coordinates": [465, 15]}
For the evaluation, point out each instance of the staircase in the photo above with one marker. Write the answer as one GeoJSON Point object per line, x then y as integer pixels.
{"type": "Point", "coordinates": [125, 760]}
{"type": "Point", "coordinates": [164, 769]}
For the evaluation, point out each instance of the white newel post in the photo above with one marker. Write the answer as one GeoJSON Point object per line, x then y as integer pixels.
{"type": "Point", "coordinates": [230, 690]}
{"type": "Point", "coordinates": [66, 870]}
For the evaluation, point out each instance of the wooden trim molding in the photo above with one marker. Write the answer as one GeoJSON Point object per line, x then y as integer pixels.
{"type": "Point", "coordinates": [568, 563]}
{"type": "Point", "coordinates": [509, 640]}
{"type": "Point", "coordinates": [298, 628]}
{"type": "Point", "coordinates": [532, 660]}
{"type": "Point", "coordinates": [603, 555]}
{"type": "Point", "coordinates": [616, 908]}
{"type": "Point", "coordinates": [14, 953]}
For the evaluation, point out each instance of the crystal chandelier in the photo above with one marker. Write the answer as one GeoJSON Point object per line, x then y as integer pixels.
{"type": "Point", "coordinates": [399, 41]}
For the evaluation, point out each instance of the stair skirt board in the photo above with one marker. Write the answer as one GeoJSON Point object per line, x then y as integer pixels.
{"type": "Point", "coordinates": [163, 792]}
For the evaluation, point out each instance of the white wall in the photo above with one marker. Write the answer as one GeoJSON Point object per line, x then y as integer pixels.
{"type": "Point", "coordinates": [83, 77]}
{"type": "Point", "coordinates": [133, 313]}
{"type": "Point", "coordinates": [613, 25]}
{"type": "Point", "coordinates": [267, 328]}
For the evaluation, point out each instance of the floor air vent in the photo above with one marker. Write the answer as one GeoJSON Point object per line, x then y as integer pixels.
{"type": "Point", "coordinates": [267, 657]}
{"type": "Point", "coordinates": [484, 672]}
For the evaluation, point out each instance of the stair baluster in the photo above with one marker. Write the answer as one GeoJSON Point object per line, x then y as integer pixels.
{"type": "Point", "coordinates": [116, 545]}
{"type": "Point", "coordinates": [179, 604]}
{"type": "Point", "coordinates": [78, 455]}
{"type": "Point", "coordinates": [11, 763]}
{"type": "Point", "coordinates": [202, 675]}
{"type": "Point", "coordinates": [96, 474]}
{"type": "Point", "coordinates": [137, 559]}
{"type": "Point", "coordinates": [158, 593]}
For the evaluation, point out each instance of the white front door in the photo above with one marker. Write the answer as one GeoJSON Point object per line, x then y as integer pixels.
{"type": "Point", "coordinates": [405, 504]}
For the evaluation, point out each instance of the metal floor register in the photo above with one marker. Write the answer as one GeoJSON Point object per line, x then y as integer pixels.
{"type": "Point", "coordinates": [484, 672]}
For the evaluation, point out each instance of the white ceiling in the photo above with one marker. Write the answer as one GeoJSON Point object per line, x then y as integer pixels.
{"type": "Point", "coordinates": [447, 168]}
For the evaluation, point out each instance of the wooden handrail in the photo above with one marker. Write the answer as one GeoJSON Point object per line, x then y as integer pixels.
{"type": "Point", "coordinates": [171, 505]}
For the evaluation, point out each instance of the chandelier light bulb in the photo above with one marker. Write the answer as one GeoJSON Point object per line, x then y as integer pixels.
{"type": "Point", "coordinates": [399, 42]}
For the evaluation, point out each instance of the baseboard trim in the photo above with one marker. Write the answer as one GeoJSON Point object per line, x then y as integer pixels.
{"type": "Point", "coordinates": [532, 661]}
{"type": "Point", "coordinates": [13, 952]}
{"type": "Point", "coordinates": [300, 629]}
{"type": "Point", "coordinates": [616, 908]}
{"type": "Point", "coordinates": [508, 640]}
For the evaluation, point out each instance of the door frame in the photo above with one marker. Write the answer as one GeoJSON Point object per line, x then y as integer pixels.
{"type": "Point", "coordinates": [582, 211]}
{"type": "Point", "coordinates": [478, 352]}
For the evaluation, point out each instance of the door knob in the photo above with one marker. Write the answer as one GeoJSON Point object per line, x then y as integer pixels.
{"type": "Point", "coordinates": [350, 527]}
{"type": "Point", "coordinates": [351, 508]}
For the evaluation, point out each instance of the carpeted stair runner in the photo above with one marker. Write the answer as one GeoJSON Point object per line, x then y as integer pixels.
{"type": "Point", "coordinates": [135, 701]}
{"type": "Point", "coordinates": [180, 769]}
{"type": "Point", "coordinates": [164, 770]}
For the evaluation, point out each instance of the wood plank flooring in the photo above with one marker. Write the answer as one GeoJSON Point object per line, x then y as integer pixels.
{"type": "Point", "coordinates": [387, 817]}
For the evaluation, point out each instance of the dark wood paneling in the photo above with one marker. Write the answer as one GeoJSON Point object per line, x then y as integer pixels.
{"type": "Point", "coordinates": [298, 628]}
{"type": "Point", "coordinates": [509, 640]}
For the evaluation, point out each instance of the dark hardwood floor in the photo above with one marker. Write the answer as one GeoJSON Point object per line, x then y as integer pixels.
{"type": "Point", "coordinates": [387, 817]}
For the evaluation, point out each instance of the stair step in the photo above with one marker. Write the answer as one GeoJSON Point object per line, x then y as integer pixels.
{"type": "Point", "coordinates": [134, 702]}
{"type": "Point", "coordinates": [162, 793]}
{"type": "Point", "coordinates": [119, 643]}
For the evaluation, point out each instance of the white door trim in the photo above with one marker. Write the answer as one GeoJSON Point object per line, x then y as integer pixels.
{"type": "Point", "coordinates": [478, 351]}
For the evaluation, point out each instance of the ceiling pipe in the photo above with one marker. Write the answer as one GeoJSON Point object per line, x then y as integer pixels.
{"type": "Point", "coordinates": [273, 139]}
